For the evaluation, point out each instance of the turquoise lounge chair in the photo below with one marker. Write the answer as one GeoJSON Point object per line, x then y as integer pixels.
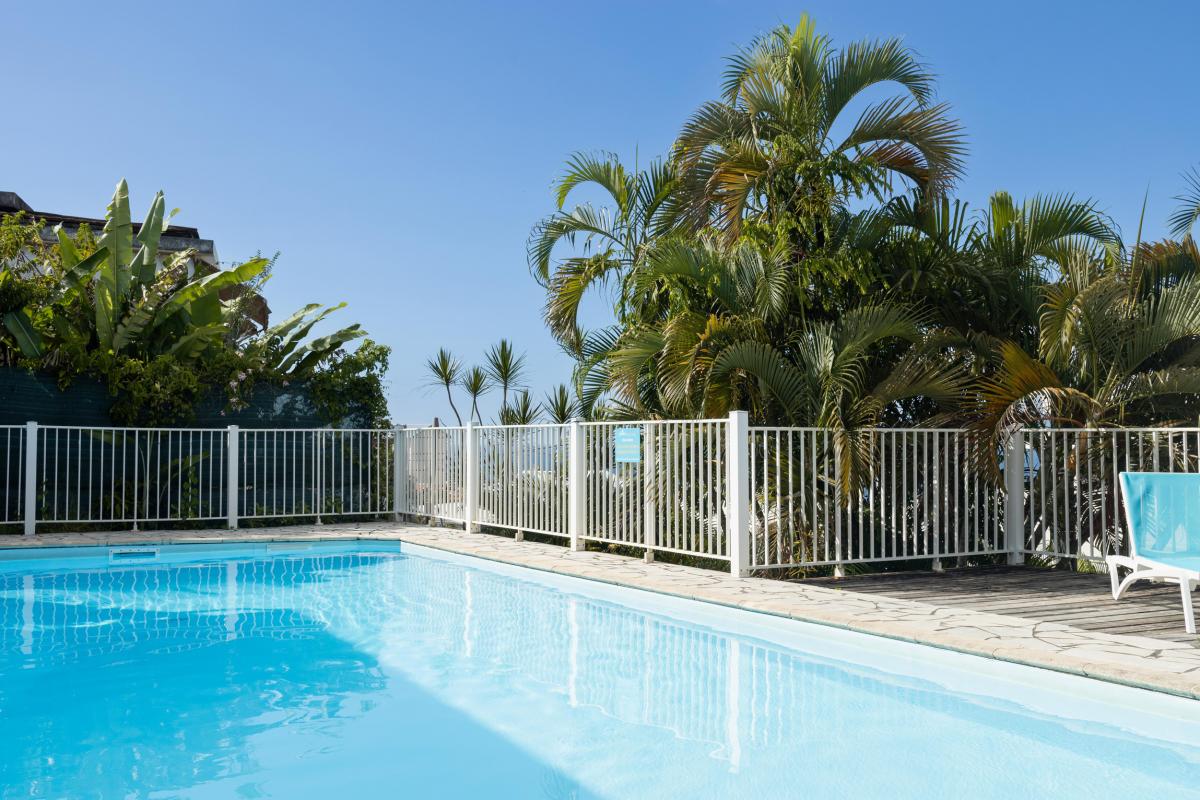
{"type": "Point", "coordinates": [1163, 512]}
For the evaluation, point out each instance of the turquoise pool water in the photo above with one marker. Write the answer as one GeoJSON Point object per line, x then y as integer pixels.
{"type": "Point", "coordinates": [362, 672]}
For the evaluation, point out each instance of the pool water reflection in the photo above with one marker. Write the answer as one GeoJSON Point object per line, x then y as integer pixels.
{"type": "Point", "coordinates": [364, 673]}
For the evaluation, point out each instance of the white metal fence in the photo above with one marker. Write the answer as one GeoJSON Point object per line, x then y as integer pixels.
{"type": "Point", "coordinates": [90, 476]}
{"type": "Point", "coordinates": [1070, 484]}
{"type": "Point", "coordinates": [12, 451]}
{"type": "Point", "coordinates": [523, 478]}
{"type": "Point", "coordinates": [900, 494]}
{"type": "Point", "coordinates": [305, 472]}
{"type": "Point", "coordinates": [670, 498]}
{"type": "Point", "coordinates": [433, 467]}
{"type": "Point", "coordinates": [760, 498]}
{"type": "Point", "coordinates": [129, 475]}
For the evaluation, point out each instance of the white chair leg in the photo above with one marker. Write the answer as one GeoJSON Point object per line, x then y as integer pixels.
{"type": "Point", "coordinates": [1113, 578]}
{"type": "Point", "coordinates": [1189, 615]}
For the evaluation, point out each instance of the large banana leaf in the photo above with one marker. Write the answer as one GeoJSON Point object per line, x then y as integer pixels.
{"type": "Point", "coordinates": [285, 327]}
{"type": "Point", "coordinates": [105, 303]}
{"type": "Point", "coordinates": [296, 334]}
{"type": "Point", "coordinates": [80, 274]}
{"type": "Point", "coordinates": [118, 239]}
{"type": "Point", "coordinates": [20, 325]}
{"type": "Point", "coordinates": [70, 337]}
{"type": "Point", "coordinates": [194, 343]}
{"type": "Point", "coordinates": [209, 285]}
{"type": "Point", "coordinates": [66, 247]}
{"type": "Point", "coordinates": [113, 285]}
{"type": "Point", "coordinates": [305, 359]}
{"type": "Point", "coordinates": [145, 263]}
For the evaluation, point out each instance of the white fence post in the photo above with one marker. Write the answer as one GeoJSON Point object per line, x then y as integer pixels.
{"type": "Point", "coordinates": [31, 437]}
{"type": "Point", "coordinates": [1014, 506]}
{"type": "Point", "coordinates": [737, 492]}
{"type": "Point", "coordinates": [232, 441]}
{"type": "Point", "coordinates": [319, 474]}
{"type": "Point", "coordinates": [839, 569]}
{"type": "Point", "coordinates": [471, 479]}
{"type": "Point", "coordinates": [576, 485]}
{"type": "Point", "coordinates": [935, 526]}
{"type": "Point", "coordinates": [399, 472]}
{"type": "Point", "coordinates": [649, 490]}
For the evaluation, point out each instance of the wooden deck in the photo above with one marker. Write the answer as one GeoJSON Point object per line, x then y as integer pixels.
{"type": "Point", "coordinates": [1071, 598]}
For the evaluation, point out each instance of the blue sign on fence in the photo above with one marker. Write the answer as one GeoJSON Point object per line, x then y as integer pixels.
{"type": "Point", "coordinates": [627, 444]}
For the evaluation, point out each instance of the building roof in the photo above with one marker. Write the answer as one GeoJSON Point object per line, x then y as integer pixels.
{"type": "Point", "coordinates": [176, 238]}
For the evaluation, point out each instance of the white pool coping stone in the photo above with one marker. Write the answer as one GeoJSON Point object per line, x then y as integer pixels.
{"type": "Point", "coordinates": [1142, 662]}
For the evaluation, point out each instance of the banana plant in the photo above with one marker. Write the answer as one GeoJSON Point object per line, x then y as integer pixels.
{"type": "Point", "coordinates": [117, 300]}
{"type": "Point", "coordinates": [282, 348]}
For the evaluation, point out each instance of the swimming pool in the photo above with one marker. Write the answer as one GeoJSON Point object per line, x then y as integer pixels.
{"type": "Point", "coordinates": [366, 670]}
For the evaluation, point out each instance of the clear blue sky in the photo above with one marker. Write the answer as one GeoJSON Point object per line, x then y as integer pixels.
{"type": "Point", "coordinates": [398, 154]}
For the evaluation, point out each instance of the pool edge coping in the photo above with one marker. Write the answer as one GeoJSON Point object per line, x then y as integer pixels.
{"type": "Point", "coordinates": [1080, 672]}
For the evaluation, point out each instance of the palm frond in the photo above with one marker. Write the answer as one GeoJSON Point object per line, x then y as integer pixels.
{"type": "Point", "coordinates": [1184, 217]}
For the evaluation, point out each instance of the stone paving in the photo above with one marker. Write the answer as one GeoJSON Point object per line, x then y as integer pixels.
{"type": "Point", "coordinates": [1166, 666]}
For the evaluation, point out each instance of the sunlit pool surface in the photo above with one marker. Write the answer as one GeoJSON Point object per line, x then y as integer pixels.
{"type": "Point", "coordinates": [359, 672]}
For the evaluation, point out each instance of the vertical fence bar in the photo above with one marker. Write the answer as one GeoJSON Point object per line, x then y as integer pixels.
{"type": "Point", "coordinates": [399, 472]}
{"type": "Point", "coordinates": [1014, 508]}
{"type": "Point", "coordinates": [231, 476]}
{"type": "Point", "coordinates": [576, 484]}
{"type": "Point", "coordinates": [737, 499]}
{"type": "Point", "coordinates": [649, 495]}
{"type": "Point", "coordinates": [31, 438]}
{"type": "Point", "coordinates": [470, 450]}
{"type": "Point", "coordinates": [839, 569]}
{"type": "Point", "coordinates": [319, 474]}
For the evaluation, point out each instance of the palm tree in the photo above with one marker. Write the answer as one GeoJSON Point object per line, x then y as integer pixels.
{"type": "Point", "coordinates": [982, 275]}
{"type": "Point", "coordinates": [734, 339]}
{"type": "Point", "coordinates": [445, 370]}
{"type": "Point", "coordinates": [1188, 212]}
{"type": "Point", "coordinates": [609, 241]}
{"type": "Point", "coordinates": [766, 151]}
{"type": "Point", "coordinates": [505, 368]}
{"type": "Point", "coordinates": [476, 383]}
{"type": "Point", "coordinates": [1118, 344]}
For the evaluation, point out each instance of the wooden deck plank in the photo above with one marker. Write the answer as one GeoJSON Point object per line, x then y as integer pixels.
{"type": "Point", "coordinates": [1081, 600]}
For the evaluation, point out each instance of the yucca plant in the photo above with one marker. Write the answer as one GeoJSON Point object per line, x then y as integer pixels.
{"type": "Point", "coordinates": [505, 368]}
{"type": "Point", "coordinates": [445, 371]}
{"type": "Point", "coordinates": [559, 405]}
{"type": "Point", "coordinates": [476, 383]}
{"type": "Point", "coordinates": [523, 411]}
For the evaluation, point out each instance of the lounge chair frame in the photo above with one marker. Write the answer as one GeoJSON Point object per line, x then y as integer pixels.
{"type": "Point", "coordinates": [1149, 569]}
